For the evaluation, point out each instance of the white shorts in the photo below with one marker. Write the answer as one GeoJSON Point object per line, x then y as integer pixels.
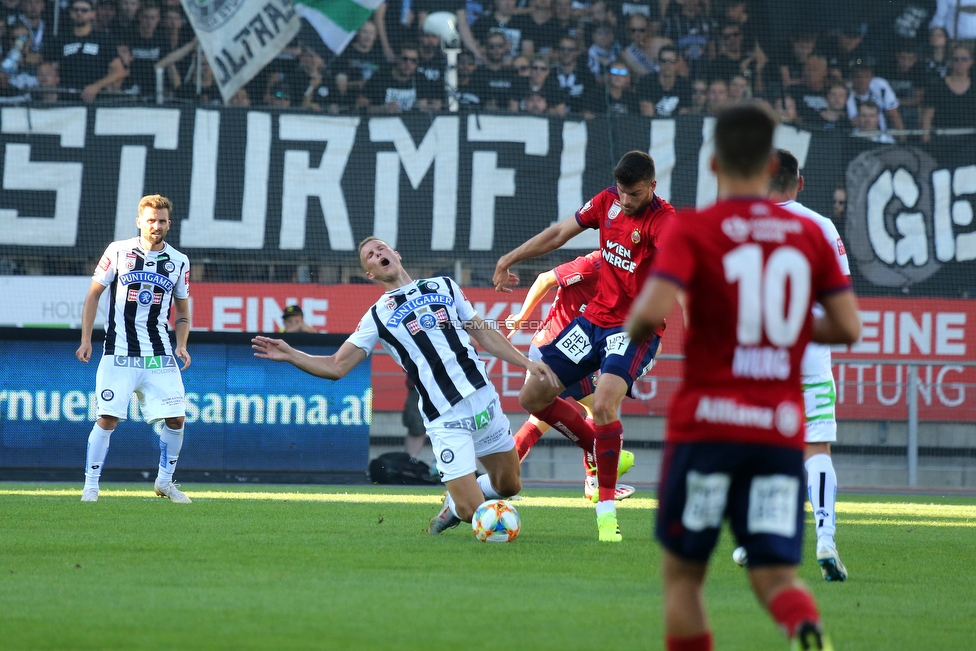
{"type": "Point", "coordinates": [156, 381]}
{"type": "Point", "coordinates": [474, 427]}
{"type": "Point", "coordinates": [820, 401]}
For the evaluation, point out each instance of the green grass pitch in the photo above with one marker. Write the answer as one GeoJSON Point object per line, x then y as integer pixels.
{"type": "Point", "coordinates": [271, 567]}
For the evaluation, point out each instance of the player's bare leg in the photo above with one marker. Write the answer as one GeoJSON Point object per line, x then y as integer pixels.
{"type": "Point", "coordinates": [610, 392]}
{"type": "Point", "coordinates": [685, 622]}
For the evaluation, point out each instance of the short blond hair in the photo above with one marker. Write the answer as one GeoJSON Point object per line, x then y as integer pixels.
{"type": "Point", "coordinates": [156, 201]}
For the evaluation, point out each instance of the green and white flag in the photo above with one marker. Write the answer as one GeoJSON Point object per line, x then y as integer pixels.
{"type": "Point", "coordinates": [337, 21]}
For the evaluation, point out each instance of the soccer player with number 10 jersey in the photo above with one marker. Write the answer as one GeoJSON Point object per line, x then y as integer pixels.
{"type": "Point", "coordinates": [734, 442]}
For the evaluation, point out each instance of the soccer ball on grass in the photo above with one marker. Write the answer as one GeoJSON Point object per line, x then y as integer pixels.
{"type": "Point", "coordinates": [496, 521]}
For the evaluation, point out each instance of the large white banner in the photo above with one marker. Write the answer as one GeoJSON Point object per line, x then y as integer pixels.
{"type": "Point", "coordinates": [240, 37]}
{"type": "Point", "coordinates": [46, 301]}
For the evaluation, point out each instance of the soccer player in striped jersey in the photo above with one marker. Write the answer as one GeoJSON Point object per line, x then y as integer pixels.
{"type": "Point", "coordinates": [146, 277]}
{"type": "Point", "coordinates": [427, 326]}
{"type": "Point", "coordinates": [819, 392]}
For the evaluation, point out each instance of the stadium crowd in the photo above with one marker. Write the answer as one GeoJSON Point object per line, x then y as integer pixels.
{"type": "Point", "coordinates": [847, 67]}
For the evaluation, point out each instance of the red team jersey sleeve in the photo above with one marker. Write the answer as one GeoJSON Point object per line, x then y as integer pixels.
{"type": "Point", "coordinates": [737, 261]}
{"type": "Point", "coordinates": [580, 270]}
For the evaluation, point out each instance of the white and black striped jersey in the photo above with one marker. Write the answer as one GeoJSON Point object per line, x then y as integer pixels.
{"type": "Point", "coordinates": [420, 326]}
{"type": "Point", "coordinates": [142, 285]}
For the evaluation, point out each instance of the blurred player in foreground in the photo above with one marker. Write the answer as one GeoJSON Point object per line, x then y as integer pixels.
{"type": "Point", "coordinates": [426, 326]}
{"type": "Point", "coordinates": [576, 283]}
{"type": "Point", "coordinates": [819, 392]}
{"type": "Point", "coordinates": [631, 220]}
{"type": "Point", "coordinates": [734, 440]}
{"type": "Point", "coordinates": [147, 277]}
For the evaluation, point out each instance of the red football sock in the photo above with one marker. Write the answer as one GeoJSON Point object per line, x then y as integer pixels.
{"type": "Point", "coordinates": [791, 607]}
{"type": "Point", "coordinates": [566, 419]}
{"type": "Point", "coordinates": [609, 441]}
{"type": "Point", "coordinates": [701, 642]}
{"type": "Point", "coordinates": [527, 436]}
{"type": "Point", "coordinates": [589, 459]}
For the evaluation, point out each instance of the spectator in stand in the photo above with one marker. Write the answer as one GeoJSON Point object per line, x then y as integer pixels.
{"type": "Point", "coordinates": [148, 45]}
{"type": "Point", "coordinates": [865, 86]}
{"type": "Point", "coordinates": [952, 103]}
{"type": "Point", "coordinates": [127, 20]}
{"type": "Point", "coordinates": [810, 94]}
{"type": "Point", "coordinates": [396, 23]}
{"type": "Point", "coordinates": [957, 18]}
{"type": "Point", "coordinates": [739, 89]}
{"type": "Point", "coordinates": [178, 34]}
{"type": "Point", "coordinates": [737, 12]}
{"type": "Point", "coordinates": [687, 24]}
{"type": "Point", "coordinates": [362, 58]}
{"type": "Point", "coordinates": [803, 45]}
{"type": "Point", "coordinates": [574, 79]}
{"type": "Point", "coordinates": [839, 211]}
{"type": "Point", "coordinates": [718, 96]}
{"type": "Point", "coordinates": [535, 104]}
{"type": "Point", "coordinates": [472, 86]}
{"type": "Point", "coordinates": [664, 94]}
{"type": "Point", "coordinates": [240, 98]}
{"type": "Point", "coordinates": [306, 83]}
{"type": "Point", "coordinates": [48, 83]}
{"type": "Point", "coordinates": [565, 22]}
{"type": "Point", "coordinates": [849, 50]}
{"type": "Point", "coordinates": [293, 320]}
{"type": "Point", "coordinates": [731, 59]}
{"type": "Point", "coordinates": [908, 80]}
{"type": "Point", "coordinates": [699, 99]}
{"type": "Point", "coordinates": [433, 63]}
{"type": "Point", "coordinates": [868, 121]}
{"type": "Point", "coordinates": [38, 34]}
{"type": "Point", "coordinates": [105, 25]}
{"type": "Point", "coordinates": [501, 20]}
{"type": "Point", "coordinates": [542, 82]}
{"type": "Point", "coordinates": [522, 67]}
{"type": "Point", "coordinates": [540, 32]}
{"type": "Point", "coordinates": [785, 107]}
{"type": "Point", "coordinates": [398, 88]}
{"type": "Point", "coordinates": [936, 63]}
{"type": "Point", "coordinates": [834, 117]}
{"type": "Point", "coordinates": [618, 99]}
{"type": "Point", "coordinates": [499, 77]}
{"type": "Point", "coordinates": [898, 20]}
{"type": "Point", "coordinates": [602, 52]}
{"type": "Point", "coordinates": [209, 91]}
{"type": "Point", "coordinates": [635, 55]}
{"type": "Point", "coordinates": [278, 93]}
{"type": "Point", "coordinates": [86, 63]}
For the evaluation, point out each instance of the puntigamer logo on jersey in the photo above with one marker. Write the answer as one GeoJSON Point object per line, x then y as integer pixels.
{"type": "Point", "coordinates": [147, 277]}
{"type": "Point", "coordinates": [210, 15]}
{"type": "Point", "coordinates": [408, 308]}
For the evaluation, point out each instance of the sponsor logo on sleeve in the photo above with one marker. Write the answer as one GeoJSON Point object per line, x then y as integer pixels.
{"type": "Point", "coordinates": [840, 247]}
{"type": "Point", "coordinates": [572, 280]}
{"type": "Point", "coordinates": [447, 456]}
{"type": "Point", "coordinates": [614, 210]}
{"type": "Point", "coordinates": [104, 263]}
{"type": "Point", "coordinates": [108, 394]}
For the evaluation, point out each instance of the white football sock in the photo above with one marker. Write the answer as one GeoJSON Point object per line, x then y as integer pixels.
{"type": "Point", "coordinates": [490, 493]}
{"type": "Point", "coordinates": [606, 506]}
{"type": "Point", "coordinates": [822, 491]}
{"type": "Point", "coordinates": [170, 444]}
{"type": "Point", "coordinates": [98, 442]}
{"type": "Point", "coordinates": [449, 501]}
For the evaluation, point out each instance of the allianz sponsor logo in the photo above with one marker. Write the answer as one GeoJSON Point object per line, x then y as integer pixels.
{"type": "Point", "coordinates": [786, 418]}
{"type": "Point", "coordinates": [232, 409]}
{"type": "Point", "coordinates": [407, 308]}
{"type": "Point", "coordinates": [761, 229]}
{"type": "Point", "coordinates": [761, 363]}
{"type": "Point", "coordinates": [157, 362]}
{"type": "Point", "coordinates": [147, 277]}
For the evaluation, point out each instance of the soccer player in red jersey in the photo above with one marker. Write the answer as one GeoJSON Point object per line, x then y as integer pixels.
{"type": "Point", "coordinates": [631, 221]}
{"type": "Point", "coordinates": [734, 440]}
{"type": "Point", "coordinates": [575, 283]}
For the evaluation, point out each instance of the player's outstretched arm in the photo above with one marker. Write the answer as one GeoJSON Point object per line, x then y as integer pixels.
{"type": "Point", "coordinates": [331, 367]}
{"type": "Point", "coordinates": [840, 323]}
{"type": "Point", "coordinates": [88, 313]}
{"type": "Point", "coordinates": [548, 240]}
{"type": "Point", "coordinates": [651, 308]}
{"type": "Point", "coordinates": [496, 344]}
{"type": "Point", "coordinates": [543, 283]}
